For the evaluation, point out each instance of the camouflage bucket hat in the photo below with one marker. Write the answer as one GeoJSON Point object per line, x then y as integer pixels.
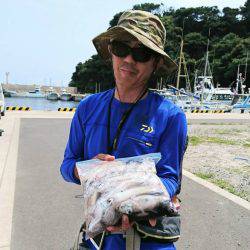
{"type": "Point", "coordinates": [142, 26]}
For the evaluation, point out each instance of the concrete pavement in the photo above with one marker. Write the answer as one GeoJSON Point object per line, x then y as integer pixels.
{"type": "Point", "coordinates": [9, 142]}
{"type": "Point", "coordinates": [211, 221]}
{"type": "Point", "coordinates": [46, 215]}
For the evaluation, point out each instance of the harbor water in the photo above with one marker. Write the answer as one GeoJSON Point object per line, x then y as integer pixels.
{"type": "Point", "coordinates": [38, 103]}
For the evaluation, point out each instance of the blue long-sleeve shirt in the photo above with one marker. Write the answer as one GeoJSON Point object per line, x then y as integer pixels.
{"type": "Point", "coordinates": [154, 125]}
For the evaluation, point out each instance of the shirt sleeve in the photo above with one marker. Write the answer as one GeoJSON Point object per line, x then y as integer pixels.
{"type": "Point", "coordinates": [172, 147]}
{"type": "Point", "coordinates": [75, 147]}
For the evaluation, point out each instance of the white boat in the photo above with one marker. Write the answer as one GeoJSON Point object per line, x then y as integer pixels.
{"type": "Point", "coordinates": [52, 95]}
{"type": "Point", "coordinates": [204, 88]}
{"type": "Point", "coordinates": [35, 93]}
{"type": "Point", "coordinates": [243, 104]}
{"type": "Point", "coordinates": [186, 101]}
{"type": "Point", "coordinates": [211, 95]}
{"type": "Point", "coordinates": [219, 97]}
{"type": "Point", "coordinates": [2, 103]}
{"type": "Point", "coordinates": [9, 93]}
{"type": "Point", "coordinates": [65, 96]}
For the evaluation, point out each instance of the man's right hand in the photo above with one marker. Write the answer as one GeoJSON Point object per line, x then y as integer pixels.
{"type": "Point", "coordinates": [102, 157]}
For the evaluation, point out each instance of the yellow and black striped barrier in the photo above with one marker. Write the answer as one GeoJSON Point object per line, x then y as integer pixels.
{"type": "Point", "coordinates": [200, 111]}
{"type": "Point", "coordinates": [209, 111]}
{"type": "Point", "coordinates": [219, 111]}
{"type": "Point", "coordinates": [67, 109]}
{"type": "Point", "coordinates": [16, 108]}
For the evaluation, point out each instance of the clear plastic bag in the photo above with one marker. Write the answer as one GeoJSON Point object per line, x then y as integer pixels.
{"type": "Point", "coordinates": [123, 186]}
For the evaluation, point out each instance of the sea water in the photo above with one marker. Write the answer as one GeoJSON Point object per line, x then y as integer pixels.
{"type": "Point", "coordinates": [38, 103]}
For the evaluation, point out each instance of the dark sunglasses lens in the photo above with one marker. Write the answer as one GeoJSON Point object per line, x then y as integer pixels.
{"type": "Point", "coordinates": [141, 54]}
{"type": "Point", "coordinates": [119, 49]}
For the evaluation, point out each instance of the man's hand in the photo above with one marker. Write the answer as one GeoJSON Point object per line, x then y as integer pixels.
{"type": "Point", "coordinates": [126, 224]}
{"type": "Point", "coordinates": [123, 227]}
{"type": "Point", "coordinates": [102, 157]}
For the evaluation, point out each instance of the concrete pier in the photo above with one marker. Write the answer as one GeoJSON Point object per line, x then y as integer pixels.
{"type": "Point", "coordinates": [21, 88]}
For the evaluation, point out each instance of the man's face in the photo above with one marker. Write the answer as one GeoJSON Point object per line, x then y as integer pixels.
{"type": "Point", "coordinates": [129, 72]}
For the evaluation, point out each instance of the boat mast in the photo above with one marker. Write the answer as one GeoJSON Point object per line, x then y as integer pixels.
{"type": "Point", "coordinates": [97, 87]}
{"type": "Point", "coordinates": [182, 61]}
{"type": "Point", "coordinates": [246, 66]}
{"type": "Point", "coordinates": [245, 76]}
{"type": "Point", "coordinates": [206, 63]}
{"type": "Point", "coordinates": [238, 79]}
{"type": "Point", "coordinates": [205, 70]}
{"type": "Point", "coordinates": [195, 80]}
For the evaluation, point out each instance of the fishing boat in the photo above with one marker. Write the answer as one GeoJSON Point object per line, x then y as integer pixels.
{"type": "Point", "coordinates": [79, 97]}
{"type": "Point", "coordinates": [65, 96]}
{"type": "Point", "coordinates": [185, 100]}
{"type": "Point", "coordinates": [243, 104]}
{"type": "Point", "coordinates": [9, 93]}
{"type": "Point", "coordinates": [204, 88]}
{"type": "Point", "coordinates": [35, 93]}
{"type": "Point", "coordinates": [52, 95]}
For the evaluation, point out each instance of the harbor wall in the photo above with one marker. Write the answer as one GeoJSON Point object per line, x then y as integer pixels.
{"type": "Point", "coordinates": [20, 88]}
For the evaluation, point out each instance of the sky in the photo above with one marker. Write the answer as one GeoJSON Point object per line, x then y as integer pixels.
{"type": "Point", "coordinates": [41, 41]}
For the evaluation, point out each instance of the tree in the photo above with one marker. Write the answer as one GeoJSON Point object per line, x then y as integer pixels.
{"type": "Point", "coordinates": [115, 19]}
{"type": "Point", "coordinates": [195, 45]}
{"type": "Point", "coordinates": [93, 71]}
{"type": "Point", "coordinates": [227, 30]}
{"type": "Point", "coordinates": [229, 53]}
{"type": "Point", "coordinates": [245, 22]}
{"type": "Point", "coordinates": [150, 7]}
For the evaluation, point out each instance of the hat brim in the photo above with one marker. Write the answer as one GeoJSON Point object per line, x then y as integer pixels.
{"type": "Point", "coordinates": [101, 43]}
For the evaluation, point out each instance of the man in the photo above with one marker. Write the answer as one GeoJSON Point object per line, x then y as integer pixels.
{"type": "Point", "coordinates": [130, 120]}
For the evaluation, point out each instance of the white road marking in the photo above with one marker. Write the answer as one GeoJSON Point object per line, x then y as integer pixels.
{"type": "Point", "coordinates": [7, 189]}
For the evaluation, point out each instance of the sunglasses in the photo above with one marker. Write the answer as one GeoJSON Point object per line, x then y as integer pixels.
{"type": "Point", "coordinates": [139, 54]}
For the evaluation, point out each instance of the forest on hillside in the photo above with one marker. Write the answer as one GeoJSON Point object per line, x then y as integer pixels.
{"type": "Point", "coordinates": [227, 30]}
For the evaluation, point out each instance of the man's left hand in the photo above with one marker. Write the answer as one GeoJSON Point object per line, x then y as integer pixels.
{"type": "Point", "coordinates": [126, 224]}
